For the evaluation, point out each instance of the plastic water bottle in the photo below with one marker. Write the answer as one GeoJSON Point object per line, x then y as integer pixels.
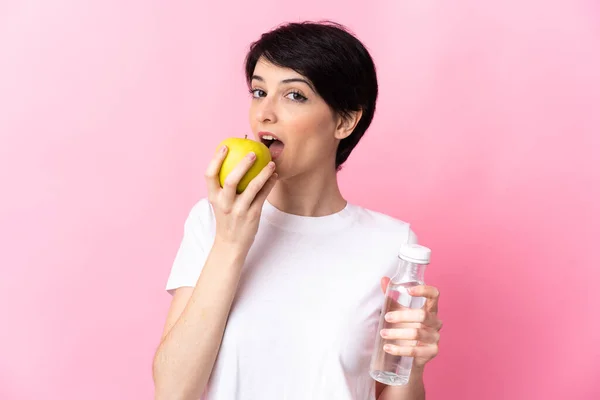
{"type": "Point", "coordinates": [387, 368]}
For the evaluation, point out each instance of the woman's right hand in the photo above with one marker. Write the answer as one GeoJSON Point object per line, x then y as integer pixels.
{"type": "Point", "coordinates": [237, 215]}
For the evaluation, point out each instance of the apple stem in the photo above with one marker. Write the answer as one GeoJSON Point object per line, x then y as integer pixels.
{"type": "Point", "coordinates": [245, 136]}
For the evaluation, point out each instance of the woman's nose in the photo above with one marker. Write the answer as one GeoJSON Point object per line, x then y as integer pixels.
{"type": "Point", "coordinates": [265, 112]}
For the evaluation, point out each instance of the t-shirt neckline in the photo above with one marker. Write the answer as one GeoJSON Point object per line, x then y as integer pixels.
{"type": "Point", "coordinates": [305, 224]}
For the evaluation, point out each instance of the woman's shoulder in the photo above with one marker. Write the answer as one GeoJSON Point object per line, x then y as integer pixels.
{"type": "Point", "coordinates": [380, 221]}
{"type": "Point", "coordinates": [383, 219]}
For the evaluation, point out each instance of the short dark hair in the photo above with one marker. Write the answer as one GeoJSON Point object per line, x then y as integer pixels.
{"type": "Point", "coordinates": [334, 60]}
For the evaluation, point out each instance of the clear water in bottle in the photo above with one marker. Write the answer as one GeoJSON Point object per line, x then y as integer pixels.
{"type": "Point", "coordinates": [387, 368]}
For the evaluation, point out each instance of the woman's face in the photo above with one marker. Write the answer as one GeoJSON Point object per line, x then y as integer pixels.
{"type": "Point", "coordinates": [285, 107]}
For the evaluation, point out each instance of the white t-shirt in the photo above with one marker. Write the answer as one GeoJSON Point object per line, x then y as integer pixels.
{"type": "Point", "coordinates": [304, 320]}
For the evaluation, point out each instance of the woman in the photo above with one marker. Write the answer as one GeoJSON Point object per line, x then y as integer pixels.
{"type": "Point", "coordinates": [276, 291]}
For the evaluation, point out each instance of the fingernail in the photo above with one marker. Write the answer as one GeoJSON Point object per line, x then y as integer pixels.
{"type": "Point", "coordinates": [275, 176]}
{"type": "Point", "coordinates": [251, 155]}
{"type": "Point", "coordinates": [271, 165]}
{"type": "Point", "coordinates": [384, 332]}
{"type": "Point", "coordinates": [387, 347]}
{"type": "Point", "coordinates": [223, 149]}
{"type": "Point", "coordinates": [389, 317]}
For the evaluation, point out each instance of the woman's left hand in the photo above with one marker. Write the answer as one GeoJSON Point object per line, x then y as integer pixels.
{"type": "Point", "coordinates": [418, 330]}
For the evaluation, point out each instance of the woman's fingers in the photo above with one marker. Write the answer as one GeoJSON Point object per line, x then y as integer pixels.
{"type": "Point", "coordinates": [431, 294]}
{"type": "Point", "coordinates": [212, 173]}
{"type": "Point", "coordinates": [385, 281]}
{"type": "Point", "coordinates": [419, 315]}
{"type": "Point", "coordinates": [414, 332]}
{"type": "Point", "coordinates": [421, 335]}
{"type": "Point", "coordinates": [425, 352]}
{"type": "Point", "coordinates": [235, 176]}
{"type": "Point", "coordinates": [255, 186]}
{"type": "Point", "coordinates": [261, 196]}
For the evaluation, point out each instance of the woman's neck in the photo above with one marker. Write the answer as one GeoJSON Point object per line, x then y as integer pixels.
{"type": "Point", "coordinates": [310, 194]}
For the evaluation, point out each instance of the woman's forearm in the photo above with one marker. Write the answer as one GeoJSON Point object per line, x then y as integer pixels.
{"type": "Point", "coordinates": [185, 358]}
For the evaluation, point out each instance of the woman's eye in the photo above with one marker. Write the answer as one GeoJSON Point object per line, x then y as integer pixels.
{"type": "Point", "coordinates": [257, 93]}
{"type": "Point", "coordinates": [296, 96]}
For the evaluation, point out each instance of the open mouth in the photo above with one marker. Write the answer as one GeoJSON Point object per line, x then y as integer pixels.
{"type": "Point", "coordinates": [273, 143]}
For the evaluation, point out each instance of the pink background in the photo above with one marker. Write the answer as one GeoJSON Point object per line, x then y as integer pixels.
{"type": "Point", "coordinates": [486, 139]}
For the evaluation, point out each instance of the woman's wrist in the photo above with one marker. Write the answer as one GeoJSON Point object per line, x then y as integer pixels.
{"type": "Point", "coordinates": [234, 251]}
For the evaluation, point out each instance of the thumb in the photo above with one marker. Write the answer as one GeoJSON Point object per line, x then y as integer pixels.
{"type": "Point", "coordinates": [385, 281]}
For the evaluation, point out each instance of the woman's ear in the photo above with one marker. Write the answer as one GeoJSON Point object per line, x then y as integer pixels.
{"type": "Point", "coordinates": [347, 123]}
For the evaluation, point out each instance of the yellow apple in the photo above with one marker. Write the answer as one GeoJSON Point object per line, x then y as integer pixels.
{"type": "Point", "coordinates": [238, 149]}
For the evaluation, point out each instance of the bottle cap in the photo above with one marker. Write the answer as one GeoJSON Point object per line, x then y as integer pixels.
{"type": "Point", "coordinates": [415, 253]}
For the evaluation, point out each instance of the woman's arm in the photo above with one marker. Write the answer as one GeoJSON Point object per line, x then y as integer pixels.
{"type": "Point", "coordinates": [195, 324]}
{"type": "Point", "coordinates": [194, 328]}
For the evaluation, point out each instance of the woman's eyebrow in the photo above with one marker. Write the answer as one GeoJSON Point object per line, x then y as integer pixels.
{"type": "Point", "coordinates": [289, 80]}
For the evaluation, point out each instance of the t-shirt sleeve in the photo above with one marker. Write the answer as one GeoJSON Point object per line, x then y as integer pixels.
{"type": "Point", "coordinates": [197, 240]}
